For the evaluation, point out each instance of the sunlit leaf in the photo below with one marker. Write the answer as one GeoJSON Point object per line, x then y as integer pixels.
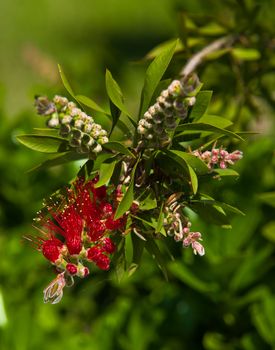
{"type": "Point", "coordinates": [154, 74]}
{"type": "Point", "coordinates": [45, 144]}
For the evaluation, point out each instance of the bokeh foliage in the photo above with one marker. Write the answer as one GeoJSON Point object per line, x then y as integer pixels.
{"type": "Point", "coordinates": [224, 300]}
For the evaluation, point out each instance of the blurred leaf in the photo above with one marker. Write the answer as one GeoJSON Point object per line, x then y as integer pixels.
{"type": "Point", "coordinates": [118, 147]}
{"type": "Point", "coordinates": [212, 28]}
{"type": "Point", "coordinates": [86, 101]}
{"type": "Point", "coordinates": [119, 260]}
{"type": "Point", "coordinates": [246, 54]}
{"type": "Point", "coordinates": [205, 127]}
{"type": "Point", "coordinates": [217, 54]}
{"type": "Point", "coordinates": [203, 99]}
{"type": "Point", "coordinates": [268, 231]}
{"type": "Point", "coordinates": [128, 197]}
{"type": "Point", "coordinates": [154, 74]}
{"type": "Point", "coordinates": [66, 82]}
{"type": "Point", "coordinates": [251, 269]}
{"type": "Point", "coordinates": [263, 315]}
{"type": "Point", "coordinates": [45, 144]}
{"type": "Point", "coordinates": [105, 172]}
{"type": "Point", "coordinates": [180, 271]}
{"type": "Point", "coordinates": [268, 198]}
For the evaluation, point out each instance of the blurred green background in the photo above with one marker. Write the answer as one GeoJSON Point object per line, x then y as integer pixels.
{"type": "Point", "coordinates": [225, 300]}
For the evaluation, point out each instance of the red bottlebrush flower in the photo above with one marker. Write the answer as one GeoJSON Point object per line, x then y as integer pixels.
{"type": "Point", "coordinates": [108, 245]}
{"type": "Point", "coordinates": [71, 268]}
{"type": "Point", "coordinates": [106, 209]}
{"type": "Point", "coordinates": [51, 249]}
{"type": "Point", "coordinates": [93, 253]}
{"type": "Point", "coordinates": [96, 255]}
{"type": "Point", "coordinates": [112, 224]}
{"type": "Point", "coordinates": [103, 262]}
{"type": "Point", "coordinates": [96, 230]}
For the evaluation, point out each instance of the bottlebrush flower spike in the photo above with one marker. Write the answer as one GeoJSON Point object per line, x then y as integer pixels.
{"type": "Point", "coordinates": [76, 231]}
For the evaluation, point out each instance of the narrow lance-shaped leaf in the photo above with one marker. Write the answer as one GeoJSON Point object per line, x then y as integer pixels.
{"type": "Point", "coordinates": [118, 147]}
{"type": "Point", "coordinates": [205, 127]}
{"type": "Point", "coordinates": [105, 173]}
{"type": "Point", "coordinates": [66, 82]}
{"type": "Point", "coordinates": [91, 104]}
{"type": "Point", "coordinates": [176, 156]}
{"type": "Point", "coordinates": [215, 120]}
{"type": "Point", "coordinates": [154, 74]}
{"type": "Point", "coordinates": [138, 247]}
{"type": "Point", "coordinates": [42, 143]}
{"type": "Point", "coordinates": [202, 101]}
{"type": "Point", "coordinates": [128, 197]}
{"type": "Point", "coordinates": [61, 158]}
{"type": "Point", "coordinates": [152, 247]}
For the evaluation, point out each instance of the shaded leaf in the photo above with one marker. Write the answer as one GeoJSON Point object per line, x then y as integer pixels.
{"type": "Point", "coordinates": [128, 197]}
{"type": "Point", "coordinates": [182, 272]}
{"type": "Point", "coordinates": [205, 127]}
{"type": "Point", "coordinates": [152, 247]}
{"type": "Point", "coordinates": [118, 147]}
{"type": "Point", "coordinates": [202, 101]}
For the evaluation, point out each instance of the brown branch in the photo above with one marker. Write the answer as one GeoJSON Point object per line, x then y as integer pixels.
{"type": "Point", "coordinates": [199, 57]}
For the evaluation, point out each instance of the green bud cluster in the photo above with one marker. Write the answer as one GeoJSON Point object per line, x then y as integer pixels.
{"type": "Point", "coordinates": [171, 106]}
{"type": "Point", "coordinates": [75, 125]}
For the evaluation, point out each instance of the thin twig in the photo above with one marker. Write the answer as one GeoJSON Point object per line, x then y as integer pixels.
{"type": "Point", "coordinates": [198, 58]}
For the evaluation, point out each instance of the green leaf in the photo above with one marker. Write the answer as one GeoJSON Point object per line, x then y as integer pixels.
{"type": "Point", "coordinates": [268, 231]}
{"type": "Point", "coordinates": [246, 54]}
{"type": "Point", "coordinates": [193, 178]}
{"type": "Point", "coordinates": [152, 247]}
{"type": "Point", "coordinates": [154, 74]}
{"type": "Point", "coordinates": [138, 247]}
{"type": "Point", "coordinates": [160, 221]}
{"type": "Point", "coordinates": [149, 202]}
{"type": "Point", "coordinates": [215, 120]}
{"type": "Point", "coordinates": [202, 101]}
{"type": "Point", "coordinates": [197, 164]}
{"type": "Point", "coordinates": [66, 82]}
{"type": "Point", "coordinates": [210, 212]}
{"type": "Point", "coordinates": [86, 169]}
{"type": "Point", "coordinates": [119, 259]}
{"type": "Point", "coordinates": [268, 198]}
{"type": "Point", "coordinates": [114, 92]}
{"type": "Point", "coordinates": [177, 156]}
{"type": "Point", "coordinates": [43, 143]}
{"type": "Point", "coordinates": [118, 147]}
{"type": "Point", "coordinates": [186, 275]}
{"type": "Point", "coordinates": [91, 104]}
{"type": "Point", "coordinates": [128, 197]}
{"type": "Point", "coordinates": [226, 172]}
{"type": "Point", "coordinates": [59, 159]}
{"type": "Point", "coordinates": [205, 127]}
{"type": "Point", "coordinates": [105, 173]}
